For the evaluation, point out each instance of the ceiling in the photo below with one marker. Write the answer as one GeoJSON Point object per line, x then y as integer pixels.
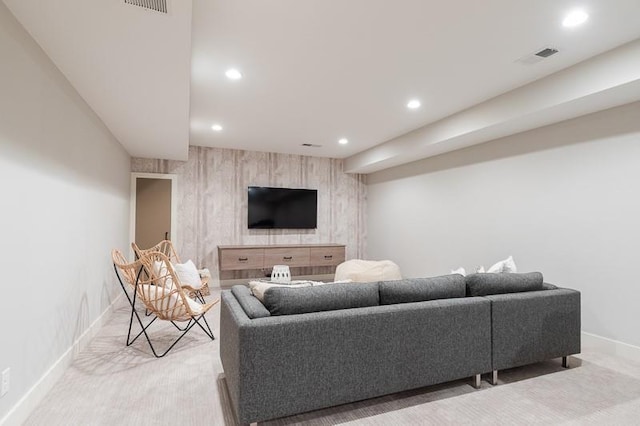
{"type": "Point", "coordinates": [131, 65]}
{"type": "Point", "coordinates": [316, 71]}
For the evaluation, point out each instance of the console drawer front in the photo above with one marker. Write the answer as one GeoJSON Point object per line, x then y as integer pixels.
{"type": "Point", "coordinates": [327, 256]}
{"type": "Point", "coordinates": [238, 259]}
{"type": "Point", "coordinates": [286, 256]}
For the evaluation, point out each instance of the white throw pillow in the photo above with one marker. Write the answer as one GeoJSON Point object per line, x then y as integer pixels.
{"type": "Point", "coordinates": [317, 283]}
{"type": "Point", "coordinates": [259, 287]}
{"type": "Point", "coordinates": [480, 270]}
{"type": "Point", "coordinates": [460, 271]}
{"type": "Point", "coordinates": [188, 274]}
{"type": "Point", "coordinates": [340, 282]}
{"type": "Point", "coordinates": [160, 271]}
{"type": "Point", "coordinates": [504, 266]}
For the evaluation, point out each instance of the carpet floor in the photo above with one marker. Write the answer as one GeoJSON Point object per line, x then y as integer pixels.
{"type": "Point", "coordinates": [111, 384]}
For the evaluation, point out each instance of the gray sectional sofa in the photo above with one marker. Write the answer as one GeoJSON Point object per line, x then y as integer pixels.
{"type": "Point", "coordinates": [304, 349]}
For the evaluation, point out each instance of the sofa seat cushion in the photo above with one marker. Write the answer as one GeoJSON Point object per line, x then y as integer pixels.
{"type": "Point", "coordinates": [486, 284]}
{"type": "Point", "coordinates": [421, 289]}
{"type": "Point", "coordinates": [250, 304]}
{"type": "Point", "coordinates": [329, 297]}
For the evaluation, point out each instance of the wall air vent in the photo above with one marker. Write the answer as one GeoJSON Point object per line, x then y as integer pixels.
{"type": "Point", "coordinates": [155, 5]}
{"type": "Point", "coordinates": [534, 58]}
{"type": "Point", "coordinates": [311, 145]}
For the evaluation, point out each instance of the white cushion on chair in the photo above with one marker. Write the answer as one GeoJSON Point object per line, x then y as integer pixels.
{"type": "Point", "coordinates": [160, 271]}
{"type": "Point", "coordinates": [188, 274]}
{"type": "Point", "coordinates": [196, 307]}
{"type": "Point", "coordinates": [155, 292]}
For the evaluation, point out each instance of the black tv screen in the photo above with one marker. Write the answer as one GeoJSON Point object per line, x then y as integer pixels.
{"type": "Point", "coordinates": [282, 208]}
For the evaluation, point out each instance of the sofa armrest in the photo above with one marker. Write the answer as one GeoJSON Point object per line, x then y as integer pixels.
{"type": "Point", "coordinates": [534, 326]}
{"type": "Point", "coordinates": [232, 320]}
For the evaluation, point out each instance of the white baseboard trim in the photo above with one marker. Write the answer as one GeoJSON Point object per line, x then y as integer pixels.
{"type": "Point", "coordinates": [610, 346]}
{"type": "Point", "coordinates": [23, 408]}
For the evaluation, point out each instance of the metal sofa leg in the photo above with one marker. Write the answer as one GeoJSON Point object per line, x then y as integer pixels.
{"type": "Point", "coordinates": [476, 381]}
{"type": "Point", "coordinates": [565, 361]}
{"type": "Point", "coordinates": [494, 377]}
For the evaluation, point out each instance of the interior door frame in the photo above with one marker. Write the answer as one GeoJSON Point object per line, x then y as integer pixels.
{"type": "Point", "coordinates": [174, 203]}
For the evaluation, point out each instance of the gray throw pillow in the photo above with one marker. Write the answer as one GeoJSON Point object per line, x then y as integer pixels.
{"type": "Point", "coordinates": [421, 289]}
{"type": "Point", "coordinates": [329, 297]}
{"type": "Point", "coordinates": [486, 284]}
{"type": "Point", "coordinates": [250, 304]}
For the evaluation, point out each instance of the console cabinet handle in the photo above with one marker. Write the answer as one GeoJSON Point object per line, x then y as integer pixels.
{"type": "Point", "coordinates": [287, 258]}
{"type": "Point", "coordinates": [243, 259]}
{"type": "Point", "coordinates": [329, 257]}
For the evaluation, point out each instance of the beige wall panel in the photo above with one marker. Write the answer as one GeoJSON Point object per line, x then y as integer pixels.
{"type": "Point", "coordinates": [212, 193]}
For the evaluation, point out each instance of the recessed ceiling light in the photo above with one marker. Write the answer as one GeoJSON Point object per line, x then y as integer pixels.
{"type": "Point", "coordinates": [343, 141]}
{"type": "Point", "coordinates": [216, 127]}
{"type": "Point", "coordinates": [575, 18]}
{"type": "Point", "coordinates": [413, 104]}
{"type": "Point", "coordinates": [233, 74]}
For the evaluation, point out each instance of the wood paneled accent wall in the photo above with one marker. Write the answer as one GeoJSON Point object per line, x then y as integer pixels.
{"type": "Point", "coordinates": [212, 211]}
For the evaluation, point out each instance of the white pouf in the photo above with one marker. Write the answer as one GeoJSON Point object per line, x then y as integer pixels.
{"type": "Point", "coordinates": [362, 271]}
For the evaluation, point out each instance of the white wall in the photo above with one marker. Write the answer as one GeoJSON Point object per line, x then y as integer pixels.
{"type": "Point", "coordinates": [563, 200]}
{"type": "Point", "coordinates": [64, 183]}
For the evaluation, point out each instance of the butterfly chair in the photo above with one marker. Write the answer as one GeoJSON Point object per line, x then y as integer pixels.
{"type": "Point", "coordinates": [166, 247]}
{"type": "Point", "coordinates": [130, 272]}
{"type": "Point", "coordinates": [158, 288]}
{"type": "Point", "coordinates": [131, 276]}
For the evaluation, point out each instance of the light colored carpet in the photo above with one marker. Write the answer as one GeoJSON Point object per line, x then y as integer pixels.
{"type": "Point", "coordinates": [111, 384]}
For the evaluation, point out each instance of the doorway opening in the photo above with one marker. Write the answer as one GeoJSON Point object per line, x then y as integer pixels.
{"type": "Point", "coordinates": [153, 208]}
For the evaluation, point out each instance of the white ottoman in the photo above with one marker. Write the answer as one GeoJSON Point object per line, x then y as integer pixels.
{"type": "Point", "coordinates": [362, 271]}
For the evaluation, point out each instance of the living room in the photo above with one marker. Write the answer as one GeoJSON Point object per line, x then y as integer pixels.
{"type": "Point", "coordinates": [505, 154]}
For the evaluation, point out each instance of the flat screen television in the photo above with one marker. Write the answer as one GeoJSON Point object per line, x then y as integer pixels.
{"type": "Point", "coordinates": [282, 208]}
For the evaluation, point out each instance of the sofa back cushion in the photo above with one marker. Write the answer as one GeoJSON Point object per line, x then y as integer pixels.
{"type": "Point", "coordinates": [250, 304]}
{"type": "Point", "coordinates": [258, 288]}
{"type": "Point", "coordinates": [329, 297]}
{"type": "Point", "coordinates": [486, 284]}
{"type": "Point", "coordinates": [421, 289]}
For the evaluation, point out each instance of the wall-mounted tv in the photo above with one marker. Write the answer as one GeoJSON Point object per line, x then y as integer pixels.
{"type": "Point", "coordinates": [282, 208]}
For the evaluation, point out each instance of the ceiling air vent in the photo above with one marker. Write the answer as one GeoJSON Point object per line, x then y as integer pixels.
{"type": "Point", "coordinates": [311, 145]}
{"type": "Point", "coordinates": [534, 58]}
{"type": "Point", "coordinates": [546, 52]}
{"type": "Point", "coordinates": [156, 5]}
